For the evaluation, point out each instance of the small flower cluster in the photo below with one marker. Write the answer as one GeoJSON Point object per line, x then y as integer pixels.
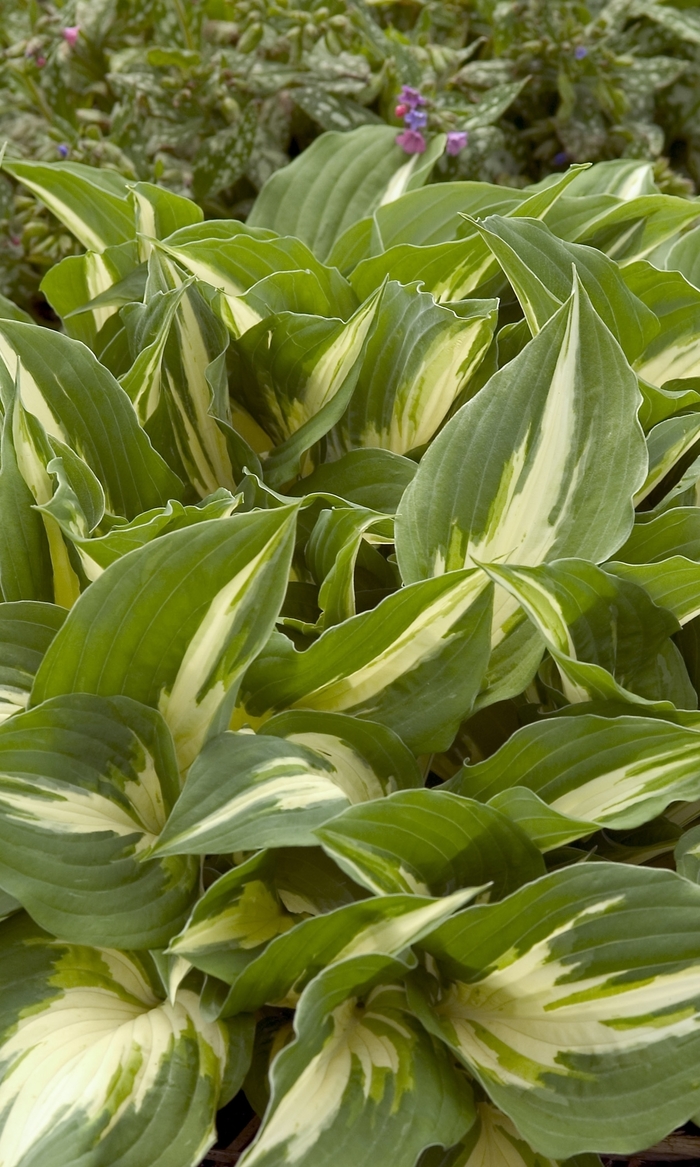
{"type": "Point", "coordinates": [412, 140]}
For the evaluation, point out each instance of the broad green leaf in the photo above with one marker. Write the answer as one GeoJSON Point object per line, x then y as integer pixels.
{"type": "Point", "coordinates": [387, 924]}
{"type": "Point", "coordinates": [539, 268]}
{"type": "Point", "coordinates": [331, 553]}
{"type": "Point", "coordinates": [615, 771]}
{"type": "Point", "coordinates": [97, 1067]}
{"type": "Point", "coordinates": [633, 229]}
{"type": "Point", "coordinates": [192, 609]}
{"type": "Point", "coordinates": [159, 212]}
{"type": "Point", "coordinates": [247, 791]}
{"type": "Point", "coordinates": [78, 402]}
{"type": "Point", "coordinates": [87, 291]}
{"type": "Point", "coordinates": [687, 855]}
{"type": "Point", "coordinates": [430, 842]}
{"type": "Point", "coordinates": [625, 178]}
{"type": "Point", "coordinates": [605, 634]}
{"type": "Point", "coordinates": [658, 404]}
{"type": "Point", "coordinates": [370, 478]}
{"type": "Point", "coordinates": [574, 1003]}
{"type": "Point", "coordinates": [684, 256]}
{"type": "Point", "coordinates": [27, 628]}
{"type": "Point", "coordinates": [414, 663]}
{"type": "Point", "coordinates": [91, 202]}
{"type": "Point", "coordinates": [88, 784]}
{"type": "Point", "coordinates": [362, 1081]}
{"type": "Point", "coordinates": [420, 357]}
{"type": "Point", "coordinates": [493, 1141]}
{"type": "Point", "coordinates": [542, 463]}
{"type": "Point", "coordinates": [339, 179]}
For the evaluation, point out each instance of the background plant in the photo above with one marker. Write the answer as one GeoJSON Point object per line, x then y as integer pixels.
{"type": "Point", "coordinates": [209, 99]}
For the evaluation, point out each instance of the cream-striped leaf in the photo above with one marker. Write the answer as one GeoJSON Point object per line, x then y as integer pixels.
{"type": "Point", "coordinates": [86, 786]}
{"type": "Point", "coordinates": [413, 663]}
{"type": "Point", "coordinates": [575, 1003]}
{"type": "Point", "coordinates": [174, 624]}
{"type": "Point", "coordinates": [91, 202]}
{"type": "Point", "coordinates": [362, 1081]}
{"type": "Point", "coordinates": [27, 628]}
{"type": "Point", "coordinates": [96, 1067]}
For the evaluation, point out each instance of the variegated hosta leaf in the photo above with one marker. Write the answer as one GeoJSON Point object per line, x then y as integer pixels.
{"type": "Point", "coordinates": [362, 1081]}
{"type": "Point", "coordinates": [420, 357]}
{"type": "Point", "coordinates": [542, 463]}
{"type": "Point", "coordinates": [78, 402]}
{"type": "Point", "coordinates": [246, 791]}
{"type": "Point", "coordinates": [413, 663]}
{"type": "Point", "coordinates": [258, 276]}
{"type": "Point", "coordinates": [630, 230]}
{"type": "Point", "coordinates": [575, 1003]}
{"type": "Point", "coordinates": [175, 623]}
{"type": "Point", "coordinates": [183, 391]}
{"type": "Point", "coordinates": [674, 532]}
{"type": "Point", "coordinates": [331, 555]}
{"type": "Point", "coordinates": [675, 352]}
{"type": "Point", "coordinates": [607, 637]}
{"type": "Point", "coordinates": [91, 202]}
{"type": "Point", "coordinates": [256, 901]}
{"type": "Point", "coordinates": [667, 443]}
{"type": "Point", "coordinates": [96, 552]}
{"type": "Point", "coordinates": [339, 179]}
{"type": "Point", "coordinates": [26, 631]}
{"type": "Point", "coordinates": [671, 583]}
{"type": "Point", "coordinates": [430, 842]}
{"type": "Point", "coordinates": [298, 374]}
{"type": "Point", "coordinates": [424, 237]}
{"type": "Point", "coordinates": [231, 921]}
{"type": "Point", "coordinates": [494, 1141]}
{"type": "Point", "coordinates": [26, 571]}
{"type": "Point", "coordinates": [86, 786]}
{"type": "Point", "coordinates": [614, 771]}
{"type": "Point", "coordinates": [88, 290]}
{"type": "Point", "coordinates": [97, 1068]}
{"type": "Point", "coordinates": [539, 268]}
{"type": "Point", "coordinates": [547, 828]}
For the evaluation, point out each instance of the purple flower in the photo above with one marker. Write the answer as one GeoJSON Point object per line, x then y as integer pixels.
{"type": "Point", "coordinates": [70, 34]}
{"type": "Point", "coordinates": [416, 119]}
{"type": "Point", "coordinates": [580, 52]}
{"type": "Point", "coordinates": [456, 141]}
{"type": "Point", "coordinates": [63, 150]}
{"type": "Point", "coordinates": [411, 97]}
{"type": "Point", "coordinates": [561, 158]}
{"type": "Point", "coordinates": [412, 141]}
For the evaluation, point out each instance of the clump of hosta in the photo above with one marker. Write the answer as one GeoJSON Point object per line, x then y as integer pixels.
{"type": "Point", "coordinates": [350, 572]}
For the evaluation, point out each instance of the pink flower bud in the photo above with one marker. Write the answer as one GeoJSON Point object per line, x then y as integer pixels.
{"type": "Point", "coordinates": [401, 110]}
{"type": "Point", "coordinates": [40, 62]}
{"type": "Point", "coordinates": [70, 34]}
{"type": "Point", "coordinates": [411, 141]}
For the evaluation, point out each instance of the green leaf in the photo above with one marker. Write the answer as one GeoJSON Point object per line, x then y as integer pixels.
{"type": "Point", "coordinates": [88, 784]}
{"type": "Point", "coordinates": [667, 443]}
{"type": "Point", "coordinates": [547, 828]}
{"type": "Point", "coordinates": [87, 291]}
{"type": "Point", "coordinates": [671, 583]}
{"type": "Point", "coordinates": [492, 1142]}
{"type": "Point", "coordinates": [371, 478]}
{"type": "Point", "coordinates": [192, 608]}
{"type": "Point", "coordinates": [430, 842]}
{"type": "Point", "coordinates": [574, 1003]}
{"type": "Point", "coordinates": [91, 202]}
{"type": "Point", "coordinates": [675, 532]}
{"type": "Point", "coordinates": [140, 1078]}
{"type": "Point", "coordinates": [684, 256]}
{"type": "Point", "coordinates": [618, 771]}
{"type": "Point", "coordinates": [541, 464]}
{"type": "Point", "coordinates": [675, 352]}
{"type": "Point", "coordinates": [539, 268]}
{"type": "Point", "coordinates": [247, 791]}
{"type": "Point", "coordinates": [78, 402]}
{"type": "Point", "coordinates": [339, 179]}
{"type": "Point", "coordinates": [362, 1081]}
{"type": "Point", "coordinates": [414, 663]}
{"type": "Point", "coordinates": [25, 557]}
{"type": "Point", "coordinates": [27, 628]}
{"type": "Point", "coordinates": [607, 637]}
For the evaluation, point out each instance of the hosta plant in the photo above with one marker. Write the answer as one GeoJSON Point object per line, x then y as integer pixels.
{"type": "Point", "coordinates": [350, 752]}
